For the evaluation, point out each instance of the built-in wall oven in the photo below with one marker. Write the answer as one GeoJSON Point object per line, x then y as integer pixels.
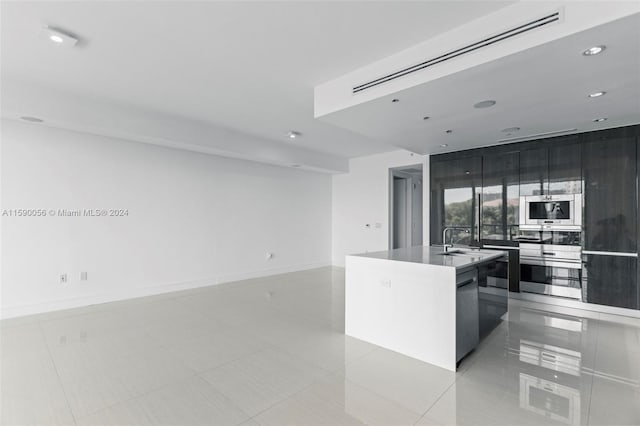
{"type": "Point", "coordinates": [551, 264]}
{"type": "Point", "coordinates": [546, 212]}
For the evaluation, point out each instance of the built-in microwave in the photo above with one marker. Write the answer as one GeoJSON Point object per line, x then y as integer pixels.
{"type": "Point", "coordinates": [546, 212]}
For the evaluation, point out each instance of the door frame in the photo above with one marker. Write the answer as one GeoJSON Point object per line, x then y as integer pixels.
{"type": "Point", "coordinates": [399, 173]}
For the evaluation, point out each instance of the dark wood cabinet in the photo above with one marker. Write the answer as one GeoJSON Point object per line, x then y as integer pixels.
{"type": "Point", "coordinates": [565, 168]}
{"type": "Point", "coordinates": [500, 197]}
{"type": "Point", "coordinates": [551, 170]}
{"type": "Point", "coordinates": [610, 280]}
{"type": "Point", "coordinates": [534, 171]}
{"type": "Point", "coordinates": [455, 190]}
{"type": "Point", "coordinates": [610, 195]}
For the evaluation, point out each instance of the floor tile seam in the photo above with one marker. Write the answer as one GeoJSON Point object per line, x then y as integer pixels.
{"type": "Point", "coordinates": [384, 397]}
{"type": "Point", "coordinates": [225, 363]}
{"type": "Point", "coordinates": [435, 402]}
{"type": "Point", "coordinates": [55, 368]}
{"type": "Point", "coordinates": [291, 396]}
{"type": "Point", "coordinates": [134, 396]}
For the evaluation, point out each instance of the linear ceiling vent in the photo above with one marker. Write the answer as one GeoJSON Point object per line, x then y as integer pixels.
{"type": "Point", "coordinates": [463, 50]}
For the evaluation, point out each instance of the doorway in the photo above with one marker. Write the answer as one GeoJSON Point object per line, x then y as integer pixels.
{"type": "Point", "coordinates": [405, 206]}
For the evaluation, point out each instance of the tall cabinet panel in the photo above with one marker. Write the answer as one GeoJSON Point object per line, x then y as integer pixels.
{"type": "Point", "coordinates": [610, 280]}
{"type": "Point", "coordinates": [610, 222]}
{"type": "Point", "coordinates": [500, 197]}
{"type": "Point", "coordinates": [455, 190]}
{"type": "Point", "coordinates": [610, 201]}
{"type": "Point", "coordinates": [565, 168]}
{"type": "Point", "coordinates": [534, 171]}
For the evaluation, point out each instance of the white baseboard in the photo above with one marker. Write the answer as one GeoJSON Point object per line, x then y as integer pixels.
{"type": "Point", "coordinates": [78, 302]}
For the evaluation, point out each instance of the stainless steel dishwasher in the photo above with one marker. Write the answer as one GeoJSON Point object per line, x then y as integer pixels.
{"type": "Point", "coordinates": [467, 314]}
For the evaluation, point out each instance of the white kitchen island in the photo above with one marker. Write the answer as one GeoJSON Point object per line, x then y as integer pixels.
{"type": "Point", "coordinates": [407, 300]}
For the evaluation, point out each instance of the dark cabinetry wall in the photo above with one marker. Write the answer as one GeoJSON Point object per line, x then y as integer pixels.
{"type": "Point", "coordinates": [602, 165]}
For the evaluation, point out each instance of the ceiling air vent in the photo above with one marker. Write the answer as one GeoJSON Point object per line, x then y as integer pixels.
{"type": "Point", "coordinates": [532, 25]}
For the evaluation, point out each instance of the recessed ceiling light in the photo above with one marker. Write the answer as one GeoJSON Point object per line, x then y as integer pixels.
{"type": "Point", "coordinates": [596, 94]}
{"type": "Point", "coordinates": [485, 104]}
{"type": "Point", "coordinates": [594, 50]}
{"type": "Point", "coordinates": [467, 172]}
{"type": "Point", "coordinates": [426, 117]}
{"type": "Point", "coordinates": [511, 129]}
{"type": "Point", "coordinates": [449, 131]}
{"type": "Point", "coordinates": [59, 37]}
{"type": "Point", "coordinates": [444, 145]}
{"type": "Point", "coordinates": [293, 134]}
{"type": "Point", "coordinates": [31, 119]}
{"type": "Point", "coordinates": [395, 100]}
{"type": "Point", "coordinates": [598, 120]}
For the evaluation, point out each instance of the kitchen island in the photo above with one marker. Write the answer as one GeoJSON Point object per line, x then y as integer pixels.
{"type": "Point", "coordinates": [418, 301]}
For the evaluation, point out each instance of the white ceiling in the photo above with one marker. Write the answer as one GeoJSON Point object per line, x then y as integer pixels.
{"type": "Point", "coordinates": [541, 89]}
{"type": "Point", "coordinates": [245, 66]}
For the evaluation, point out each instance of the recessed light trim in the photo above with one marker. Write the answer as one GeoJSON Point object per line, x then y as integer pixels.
{"type": "Point", "coordinates": [449, 131]}
{"type": "Point", "coordinates": [292, 134]}
{"type": "Point", "coordinates": [597, 94]}
{"type": "Point", "coordinates": [595, 50]}
{"type": "Point", "coordinates": [295, 166]}
{"type": "Point", "coordinates": [485, 104]}
{"type": "Point", "coordinates": [444, 145]}
{"type": "Point", "coordinates": [426, 117]}
{"type": "Point", "coordinates": [598, 120]}
{"type": "Point", "coordinates": [31, 119]}
{"type": "Point", "coordinates": [58, 37]}
{"type": "Point", "coordinates": [395, 100]}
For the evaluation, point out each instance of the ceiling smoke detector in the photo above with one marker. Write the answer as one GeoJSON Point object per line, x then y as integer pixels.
{"type": "Point", "coordinates": [485, 104]}
{"type": "Point", "coordinates": [58, 37]}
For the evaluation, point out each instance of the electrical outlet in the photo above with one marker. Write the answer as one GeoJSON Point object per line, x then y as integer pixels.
{"type": "Point", "coordinates": [63, 278]}
{"type": "Point", "coordinates": [83, 276]}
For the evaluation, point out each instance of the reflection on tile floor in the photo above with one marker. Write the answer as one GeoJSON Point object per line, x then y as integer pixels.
{"type": "Point", "coordinates": [272, 351]}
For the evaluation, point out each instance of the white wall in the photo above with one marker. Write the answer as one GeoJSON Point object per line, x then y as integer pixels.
{"type": "Point", "coordinates": [361, 197]}
{"type": "Point", "coordinates": [194, 219]}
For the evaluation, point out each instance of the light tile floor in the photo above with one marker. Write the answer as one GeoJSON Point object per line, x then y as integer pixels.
{"type": "Point", "coordinates": [272, 351]}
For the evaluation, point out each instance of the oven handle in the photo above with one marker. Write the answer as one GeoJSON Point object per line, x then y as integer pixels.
{"type": "Point", "coordinates": [551, 263]}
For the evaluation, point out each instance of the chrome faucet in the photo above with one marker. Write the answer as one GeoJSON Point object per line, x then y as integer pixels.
{"type": "Point", "coordinates": [444, 236]}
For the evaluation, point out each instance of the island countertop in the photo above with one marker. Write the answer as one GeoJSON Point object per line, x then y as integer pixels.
{"type": "Point", "coordinates": [432, 255]}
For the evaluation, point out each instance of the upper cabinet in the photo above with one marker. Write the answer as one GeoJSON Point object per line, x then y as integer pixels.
{"type": "Point", "coordinates": [455, 192]}
{"type": "Point", "coordinates": [534, 171]}
{"type": "Point", "coordinates": [610, 200]}
{"type": "Point", "coordinates": [553, 170]}
{"type": "Point", "coordinates": [500, 197]}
